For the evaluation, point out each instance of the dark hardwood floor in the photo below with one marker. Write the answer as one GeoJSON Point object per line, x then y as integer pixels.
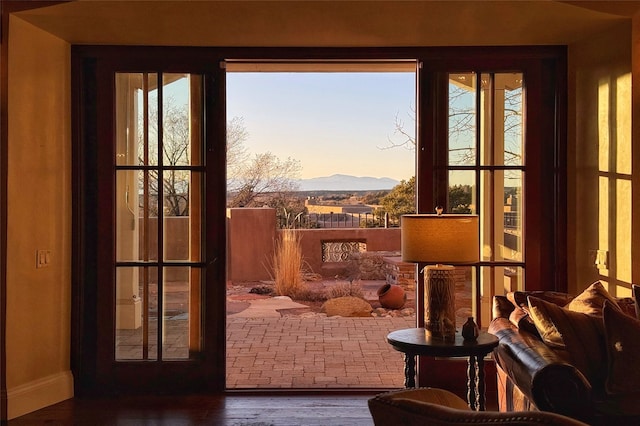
{"type": "Point", "coordinates": [327, 409]}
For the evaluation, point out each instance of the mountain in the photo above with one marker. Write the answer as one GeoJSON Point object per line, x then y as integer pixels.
{"type": "Point", "coordinates": [346, 183]}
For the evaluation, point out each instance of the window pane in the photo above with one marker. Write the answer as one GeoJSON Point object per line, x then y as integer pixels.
{"type": "Point", "coordinates": [181, 228]}
{"type": "Point", "coordinates": [509, 92]}
{"type": "Point", "coordinates": [501, 232]}
{"type": "Point", "coordinates": [136, 215]}
{"type": "Point", "coordinates": [181, 106]}
{"type": "Point", "coordinates": [512, 220]}
{"type": "Point", "coordinates": [462, 192]}
{"type": "Point", "coordinates": [136, 313]}
{"type": "Point", "coordinates": [175, 312]}
{"type": "Point", "coordinates": [497, 280]}
{"type": "Point", "coordinates": [128, 87]}
{"type": "Point", "coordinates": [462, 119]}
{"type": "Point", "coordinates": [136, 119]}
{"type": "Point", "coordinates": [464, 278]}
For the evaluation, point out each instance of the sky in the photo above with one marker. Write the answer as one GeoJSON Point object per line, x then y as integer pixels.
{"type": "Point", "coordinates": [333, 123]}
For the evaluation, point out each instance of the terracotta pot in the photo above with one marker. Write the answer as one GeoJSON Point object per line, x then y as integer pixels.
{"type": "Point", "coordinates": [392, 296]}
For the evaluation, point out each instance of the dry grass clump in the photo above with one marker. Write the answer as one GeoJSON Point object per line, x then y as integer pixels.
{"type": "Point", "coordinates": [288, 264]}
{"type": "Point", "coordinates": [308, 295]}
{"type": "Point", "coordinates": [343, 289]}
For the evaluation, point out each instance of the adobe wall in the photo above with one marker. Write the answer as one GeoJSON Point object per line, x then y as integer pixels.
{"type": "Point", "coordinates": [251, 233]}
{"type": "Point", "coordinates": [377, 239]}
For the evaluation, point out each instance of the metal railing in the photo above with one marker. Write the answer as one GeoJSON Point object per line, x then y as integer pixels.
{"type": "Point", "coordinates": [363, 220]}
{"type": "Point", "coordinates": [339, 220]}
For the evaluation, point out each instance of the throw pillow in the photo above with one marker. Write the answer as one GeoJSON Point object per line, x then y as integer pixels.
{"type": "Point", "coordinates": [581, 335]}
{"type": "Point", "coordinates": [628, 306]}
{"type": "Point", "coordinates": [622, 334]}
{"type": "Point", "coordinates": [591, 300]}
{"type": "Point", "coordinates": [519, 298]}
{"type": "Point", "coordinates": [520, 314]}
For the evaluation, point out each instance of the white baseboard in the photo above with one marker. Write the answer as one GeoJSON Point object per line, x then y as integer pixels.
{"type": "Point", "coordinates": [38, 394]}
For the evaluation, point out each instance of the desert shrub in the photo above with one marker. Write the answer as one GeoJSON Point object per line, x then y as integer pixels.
{"type": "Point", "coordinates": [308, 295]}
{"type": "Point", "coordinates": [343, 289]}
{"type": "Point", "coordinates": [288, 264]}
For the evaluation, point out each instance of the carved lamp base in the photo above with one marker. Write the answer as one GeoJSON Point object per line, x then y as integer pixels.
{"type": "Point", "coordinates": [439, 302]}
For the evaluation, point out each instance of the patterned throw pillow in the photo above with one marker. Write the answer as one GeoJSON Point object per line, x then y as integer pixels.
{"type": "Point", "coordinates": [519, 298]}
{"type": "Point", "coordinates": [622, 337]}
{"type": "Point", "coordinates": [581, 335]}
{"type": "Point", "coordinates": [520, 315]}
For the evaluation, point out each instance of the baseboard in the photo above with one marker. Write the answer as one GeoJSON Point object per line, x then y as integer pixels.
{"type": "Point", "coordinates": [38, 394]}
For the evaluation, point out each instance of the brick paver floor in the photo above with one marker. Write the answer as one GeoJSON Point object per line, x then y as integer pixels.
{"type": "Point", "coordinates": [315, 352]}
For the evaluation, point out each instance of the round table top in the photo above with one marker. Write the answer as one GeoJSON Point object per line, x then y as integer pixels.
{"type": "Point", "coordinates": [414, 341]}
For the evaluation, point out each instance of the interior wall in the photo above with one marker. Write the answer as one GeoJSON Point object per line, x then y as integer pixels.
{"type": "Point", "coordinates": [39, 194]}
{"type": "Point", "coordinates": [39, 166]}
{"type": "Point", "coordinates": [600, 161]}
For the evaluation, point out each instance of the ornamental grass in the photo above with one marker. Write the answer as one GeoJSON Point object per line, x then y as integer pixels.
{"type": "Point", "coordinates": [288, 264]}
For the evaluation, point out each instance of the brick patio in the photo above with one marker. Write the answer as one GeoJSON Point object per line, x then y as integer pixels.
{"type": "Point", "coordinates": [318, 352]}
{"type": "Point", "coordinates": [295, 351]}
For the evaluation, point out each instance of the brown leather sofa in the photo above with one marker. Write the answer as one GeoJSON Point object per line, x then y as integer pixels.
{"type": "Point", "coordinates": [532, 375]}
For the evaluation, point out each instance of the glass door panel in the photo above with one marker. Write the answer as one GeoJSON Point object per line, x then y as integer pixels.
{"type": "Point", "coordinates": [485, 173]}
{"type": "Point", "coordinates": [158, 203]}
{"type": "Point", "coordinates": [463, 130]}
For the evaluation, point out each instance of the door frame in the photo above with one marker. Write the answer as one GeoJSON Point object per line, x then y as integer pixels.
{"type": "Point", "coordinates": [92, 118]}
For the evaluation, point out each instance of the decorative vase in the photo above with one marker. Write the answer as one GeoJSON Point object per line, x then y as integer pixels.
{"type": "Point", "coordinates": [470, 330]}
{"type": "Point", "coordinates": [391, 296]}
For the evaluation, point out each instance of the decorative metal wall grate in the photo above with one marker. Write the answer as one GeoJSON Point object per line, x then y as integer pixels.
{"type": "Point", "coordinates": [339, 251]}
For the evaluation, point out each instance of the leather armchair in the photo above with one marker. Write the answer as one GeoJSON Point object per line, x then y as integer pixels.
{"type": "Point", "coordinates": [436, 407]}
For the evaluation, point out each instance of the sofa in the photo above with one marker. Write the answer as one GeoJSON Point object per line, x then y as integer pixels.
{"type": "Point", "coordinates": [576, 356]}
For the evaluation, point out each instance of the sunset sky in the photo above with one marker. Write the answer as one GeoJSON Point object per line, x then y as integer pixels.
{"type": "Point", "coordinates": [330, 122]}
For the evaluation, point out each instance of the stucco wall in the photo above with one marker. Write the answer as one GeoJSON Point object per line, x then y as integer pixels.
{"type": "Point", "coordinates": [600, 159]}
{"type": "Point", "coordinates": [39, 217]}
{"type": "Point", "coordinates": [251, 236]}
{"type": "Point", "coordinates": [377, 239]}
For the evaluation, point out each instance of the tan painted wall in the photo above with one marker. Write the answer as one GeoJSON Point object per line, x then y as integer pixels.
{"type": "Point", "coordinates": [600, 159]}
{"type": "Point", "coordinates": [39, 217]}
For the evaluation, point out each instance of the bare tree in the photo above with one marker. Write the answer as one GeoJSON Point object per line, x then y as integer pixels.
{"type": "Point", "coordinates": [263, 180]}
{"type": "Point", "coordinates": [176, 151]}
{"type": "Point", "coordinates": [462, 127]}
{"type": "Point", "coordinates": [237, 156]}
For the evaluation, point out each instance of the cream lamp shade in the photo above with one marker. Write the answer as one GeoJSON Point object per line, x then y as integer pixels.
{"type": "Point", "coordinates": [445, 238]}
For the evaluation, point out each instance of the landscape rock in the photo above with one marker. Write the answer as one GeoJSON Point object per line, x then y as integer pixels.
{"type": "Point", "coordinates": [347, 306]}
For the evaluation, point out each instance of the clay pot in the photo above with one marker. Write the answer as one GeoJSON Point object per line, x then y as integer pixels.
{"type": "Point", "coordinates": [391, 296]}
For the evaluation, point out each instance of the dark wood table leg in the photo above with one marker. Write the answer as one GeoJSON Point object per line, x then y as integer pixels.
{"type": "Point", "coordinates": [480, 383]}
{"type": "Point", "coordinates": [409, 371]}
{"type": "Point", "coordinates": [471, 382]}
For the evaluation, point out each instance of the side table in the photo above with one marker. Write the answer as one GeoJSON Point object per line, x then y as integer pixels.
{"type": "Point", "coordinates": [414, 341]}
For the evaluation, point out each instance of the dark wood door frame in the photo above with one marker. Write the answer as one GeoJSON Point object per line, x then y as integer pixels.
{"type": "Point", "coordinates": [91, 68]}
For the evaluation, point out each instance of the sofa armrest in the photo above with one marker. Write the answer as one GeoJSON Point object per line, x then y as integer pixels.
{"type": "Point", "coordinates": [543, 375]}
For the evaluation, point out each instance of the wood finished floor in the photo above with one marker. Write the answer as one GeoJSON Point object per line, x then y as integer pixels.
{"type": "Point", "coordinates": [223, 410]}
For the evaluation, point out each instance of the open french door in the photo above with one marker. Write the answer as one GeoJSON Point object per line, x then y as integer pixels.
{"type": "Point", "coordinates": [152, 186]}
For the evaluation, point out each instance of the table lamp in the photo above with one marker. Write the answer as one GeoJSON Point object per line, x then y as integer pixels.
{"type": "Point", "coordinates": [440, 239]}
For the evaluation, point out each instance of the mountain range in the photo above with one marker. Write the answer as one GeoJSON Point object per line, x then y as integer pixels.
{"type": "Point", "coordinates": [340, 182]}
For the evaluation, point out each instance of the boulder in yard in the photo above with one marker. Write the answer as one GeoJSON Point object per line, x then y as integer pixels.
{"type": "Point", "coordinates": [347, 306]}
